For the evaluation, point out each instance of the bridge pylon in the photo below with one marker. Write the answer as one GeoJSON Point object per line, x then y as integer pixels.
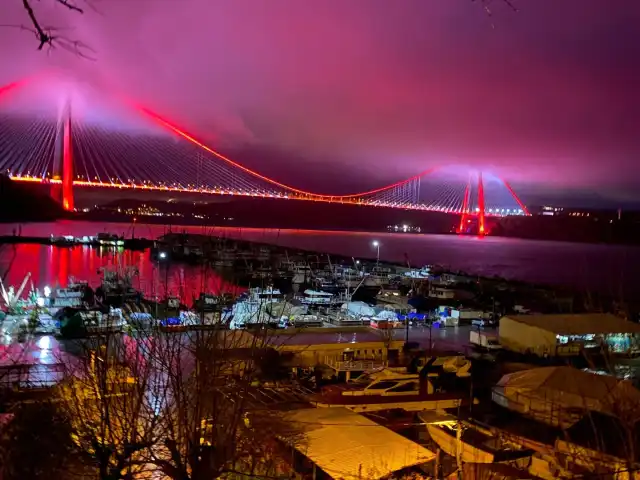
{"type": "Point", "coordinates": [62, 187]}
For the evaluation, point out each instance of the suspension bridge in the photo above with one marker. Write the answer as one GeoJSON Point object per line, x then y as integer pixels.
{"type": "Point", "coordinates": [57, 144]}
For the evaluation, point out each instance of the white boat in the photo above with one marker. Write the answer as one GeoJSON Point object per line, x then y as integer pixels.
{"type": "Point", "coordinates": [388, 389]}
{"type": "Point", "coordinates": [471, 442]}
{"type": "Point", "coordinates": [422, 274]}
{"type": "Point", "coordinates": [252, 308]}
{"type": "Point", "coordinates": [96, 322]}
{"type": "Point", "coordinates": [72, 296]}
{"type": "Point", "coordinates": [316, 297]}
{"type": "Point", "coordinates": [358, 309]}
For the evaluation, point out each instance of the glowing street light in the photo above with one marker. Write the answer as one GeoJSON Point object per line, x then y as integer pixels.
{"type": "Point", "coordinates": [376, 244]}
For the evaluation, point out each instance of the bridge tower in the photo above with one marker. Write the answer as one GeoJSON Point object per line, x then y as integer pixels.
{"type": "Point", "coordinates": [62, 188]}
{"type": "Point", "coordinates": [466, 210]}
{"type": "Point", "coordinates": [481, 229]}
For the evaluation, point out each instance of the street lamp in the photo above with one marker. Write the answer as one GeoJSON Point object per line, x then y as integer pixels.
{"type": "Point", "coordinates": [377, 245]}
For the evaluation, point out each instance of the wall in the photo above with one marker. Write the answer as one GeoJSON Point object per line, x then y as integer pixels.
{"type": "Point", "coordinates": [519, 337]}
{"type": "Point", "coordinates": [311, 355]}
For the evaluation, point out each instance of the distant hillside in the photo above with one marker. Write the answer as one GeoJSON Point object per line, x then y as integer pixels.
{"type": "Point", "coordinates": [24, 203]}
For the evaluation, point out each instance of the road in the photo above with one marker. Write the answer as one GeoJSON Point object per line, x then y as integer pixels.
{"type": "Point", "coordinates": [455, 339]}
{"type": "Point", "coordinates": [442, 339]}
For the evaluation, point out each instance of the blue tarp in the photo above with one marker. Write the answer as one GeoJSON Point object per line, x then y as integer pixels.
{"type": "Point", "coordinates": [169, 322]}
{"type": "Point", "coordinates": [413, 316]}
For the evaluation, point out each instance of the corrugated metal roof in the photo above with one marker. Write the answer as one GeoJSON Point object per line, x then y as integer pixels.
{"type": "Point", "coordinates": [578, 324]}
{"type": "Point", "coordinates": [348, 446]}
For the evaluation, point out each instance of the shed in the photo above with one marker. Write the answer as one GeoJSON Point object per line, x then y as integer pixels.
{"type": "Point", "coordinates": [349, 446]}
{"type": "Point", "coordinates": [539, 333]}
{"type": "Point", "coordinates": [560, 396]}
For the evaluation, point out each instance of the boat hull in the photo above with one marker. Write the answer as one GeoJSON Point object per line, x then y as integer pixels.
{"type": "Point", "coordinates": [370, 403]}
{"type": "Point", "coordinates": [448, 443]}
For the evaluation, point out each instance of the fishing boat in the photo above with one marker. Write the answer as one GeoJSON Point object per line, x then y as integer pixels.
{"type": "Point", "coordinates": [116, 288]}
{"type": "Point", "coordinates": [80, 323]}
{"type": "Point", "coordinates": [251, 308]}
{"type": "Point", "coordinates": [71, 296]}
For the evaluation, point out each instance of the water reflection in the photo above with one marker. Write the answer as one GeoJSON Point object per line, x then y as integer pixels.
{"type": "Point", "coordinates": [606, 268]}
{"type": "Point", "coordinates": [55, 266]}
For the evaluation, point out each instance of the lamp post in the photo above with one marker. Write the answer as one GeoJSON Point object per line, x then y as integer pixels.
{"type": "Point", "coordinates": [377, 245]}
{"type": "Point", "coordinates": [161, 256]}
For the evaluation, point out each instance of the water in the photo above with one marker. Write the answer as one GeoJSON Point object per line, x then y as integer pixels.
{"type": "Point", "coordinates": [611, 269]}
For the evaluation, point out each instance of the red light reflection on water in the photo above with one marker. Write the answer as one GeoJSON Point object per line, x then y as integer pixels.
{"type": "Point", "coordinates": [54, 266]}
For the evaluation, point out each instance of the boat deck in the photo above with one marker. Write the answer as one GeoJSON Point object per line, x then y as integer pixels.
{"type": "Point", "coordinates": [273, 397]}
{"type": "Point", "coordinates": [352, 365]}
{"type": "Point", "coordinates": [336, 398]}
{"type": "Point", "coordinates": [490, 444]}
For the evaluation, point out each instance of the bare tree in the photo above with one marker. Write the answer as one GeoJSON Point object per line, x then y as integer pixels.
{"type": "Point", "coordinates": [36, 443]}
{"type": "Point", "coordinates": [50, 37]}
{"type": "Point", "coordinates": [113, 397]}
{"type": "Point", "coordinates": [213, 422]}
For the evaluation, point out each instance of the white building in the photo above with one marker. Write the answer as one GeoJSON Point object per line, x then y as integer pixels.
{"type": "Point", "coordinates": [567, 334]}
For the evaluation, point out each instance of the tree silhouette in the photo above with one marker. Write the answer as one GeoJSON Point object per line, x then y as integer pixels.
{"type": "Point", "coordinates": [51, 37]}
{"type": "Point", "coordinates": [36, 443]}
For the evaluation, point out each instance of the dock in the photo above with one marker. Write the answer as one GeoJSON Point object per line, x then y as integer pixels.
{"type": "Point", "coordinates": [70, 241]}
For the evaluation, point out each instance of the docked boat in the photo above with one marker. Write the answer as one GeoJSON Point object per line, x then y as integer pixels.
{"type": "Point", "coordinates": [251, 309]}
{"type": "Point", "coordinates": [301, 272]}
{"type": "Point", "coordinates": [421, 274]}
{"type": "Point", "coordinates": [358, 285]}
{"type": "Point", "coordinates": [109, 239]}
{"type": "Point", "coordinates": [324, 283]}
{"type": "Point", "coordinates": [316, 298]}
{"type": "Point", "coordinates": [71, 296]}
{"type": "Point", "coordinates": [79, 323]}
{"type": "Point", "coordinates": [117, 286]}
{"type": "Point", "coordinates": [379, 276]}
{"type": "Point", "coordinates": [471, 442]}
{"type": "Point", "coordinates": [389, 388]}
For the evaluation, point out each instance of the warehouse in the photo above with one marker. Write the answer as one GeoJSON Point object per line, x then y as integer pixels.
{"type": "Point", "coordinates": [567, 334]}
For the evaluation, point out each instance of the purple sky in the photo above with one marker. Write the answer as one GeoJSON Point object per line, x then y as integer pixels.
{"type": "Point", "coordinates": [371, 91]}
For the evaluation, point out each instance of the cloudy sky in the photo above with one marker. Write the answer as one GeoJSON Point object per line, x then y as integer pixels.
{"type": "Point", "coordinates": [343, 94]}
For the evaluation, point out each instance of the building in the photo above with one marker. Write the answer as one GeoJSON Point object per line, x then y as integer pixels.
{"type": "Point", "coordinates": [327, 349]}
{"type": "Point", "coordinates": [568, 334]}
{"type": "Point", "coordinates": [339, 444]}
{"type": "Point", "coordinates": [442, 293]}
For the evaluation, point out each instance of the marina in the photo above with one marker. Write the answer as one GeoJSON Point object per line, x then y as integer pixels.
{"type": "Point", "coordinates": [319, 241]}
{"type": "Point", "coordinates": [443, 350]}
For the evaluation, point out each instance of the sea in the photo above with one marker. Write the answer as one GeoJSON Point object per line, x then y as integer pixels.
{"type": "Point", "coordinates": [609, 269]}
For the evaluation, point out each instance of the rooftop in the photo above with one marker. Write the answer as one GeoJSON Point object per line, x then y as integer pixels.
{"type": "Point", "coordinates": [349, 446]}
{"type": "Point", "coordinates": [578, 324]}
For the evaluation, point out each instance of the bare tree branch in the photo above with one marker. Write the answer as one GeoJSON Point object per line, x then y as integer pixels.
{"type": "Point", "coordinates": [50, 37]}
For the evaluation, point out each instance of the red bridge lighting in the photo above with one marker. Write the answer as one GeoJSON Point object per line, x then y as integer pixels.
{"type": "Point", "coordinates": [99, 157]}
